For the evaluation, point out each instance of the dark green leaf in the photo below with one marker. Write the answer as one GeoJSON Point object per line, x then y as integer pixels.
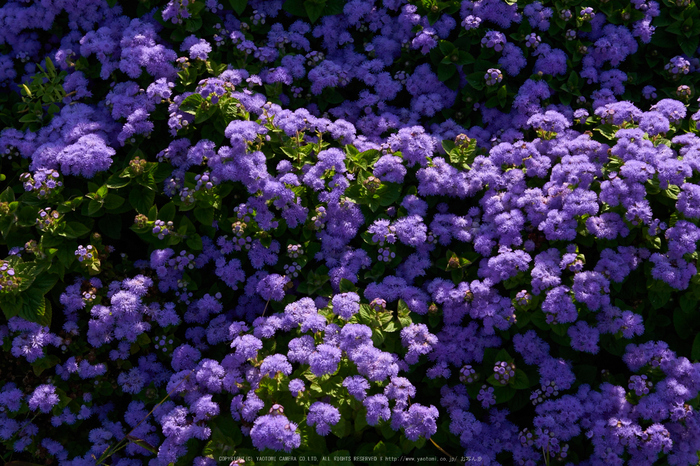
{"type": "Point", "coordinates": [608, 131]}
{"type": "Point", "coordinates": [113, 201]}
{"type": "Point", "coordinates": [191, 104]}
{"type": "Point", "coordinates": [142, 199]}
{"type": "Point", "coordinates": [8, 195]}
{"type": "Point", "coordinates": [521, 381]}
{"type": "Point", "coordinates": [11, 305]}
{"type": "Point", "coordinates": [167, 212]}
{"type": "Point", "coordinates": [205, 216]}
{"type": "Point", "coordinates": [111, 226]}
{"type": "Point", "coordinates": [43, 283]}
{"type": "Point", "coordinates": [445, 72]}
{"type": "Point", "coordinates": [33, 307]}
{"type": "Point", "coordinates": [40, 365]}
{"type": "Point", "coordinates": [347, 286]}
{"type": "Point", "coordinates": [314, 9]}
{"type": "Point", "coordinates": [195, 242]}
{"type": "Point", "coordinates": [682, 324]}
{"type": "Point", "coordinates": [658, 299]}
{"type": "Point", "coordinates": [688, 303]}
{"type": "Point", "coordinates": [695, 352]}
{"type": "Point", "coordinates": [94, 207]}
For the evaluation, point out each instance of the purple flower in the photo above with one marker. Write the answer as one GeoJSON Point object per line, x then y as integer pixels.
{"type": "Point", "coordinates": [275, 363]}
{"type": "Point", "coordinates": [323, 416]}
{"type": "Point", "coordinates": [272, 287]}
{"type": "Point", "coordinates": [420, 421]}
{"type": "Point", "coordinates": [672, 109]}
{"type": "Point", "coordinates": [654, 123]}
{"type": "Point", "coordinates": [584, 337]}
{"type": "Point", "coordinates": [43, 398]}
{"type": "Point", "coordinates": [324, 360]}
{"type": "Point", "coordinates": [357, 386]}
{"type": "Point", "coordinates": [377, 408]}
{"type": "Point", "coordinates": [275, 432]}
{"type": "Point", "coordinates": [551, 121]}
{"type": "Point", "coordinates": [346, 305]}
{"type": "Point", "coordinates": [296, 386]}
{"type": "Point", "coordinates": [559, 306]}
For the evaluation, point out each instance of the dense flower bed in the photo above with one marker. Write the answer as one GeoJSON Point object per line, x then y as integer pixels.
{"type": "Point", "coordinates": [302, 231]}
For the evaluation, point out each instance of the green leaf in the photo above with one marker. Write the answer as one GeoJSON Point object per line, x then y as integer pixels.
{"type": "Point", "coordinates": [238, 6]}
{"type": "Point", "coordinates": [94, 207]}
{"type": "Point", "coordinates": [153, 213]}
{"type": "Point", "coordinates": [195, 242]}
{"type": "Point", "coordinates": [389, 194]}
{"type": "Point", "coordinates": [191, 104]}
{"type": "Point", "coordinates": [688, 303]}
{"type": "Point", "coordinates": [33, 307]}
{"type": "Point", "coordinates": [115, 181]}
{"type": "Point", "coordinates": [44, 283]}
{"type": "Point", "coordinates": [111, 226]}
{"type": "Point", "coordinates": [193, 24]}
{"type": "Point", "coordinates": [347, 286]}
{"type": "Point", "coordinates": [608, 131]}
{"type": "Point", "coordinates": [27, 215]}
{"type": "Point", "coordinates": [520, 382]}
{"type": "Point", "coordinates": [8, 195]}
{"type": "Point", "coordinates": [167, 212]}
{"type": "Point", "coordinates": [682, 324]}
{"type": "Point", "coordinates": [314, 9]}
{"type": "Point", "coordinates": [502, 95]}
{"type": "Point", "coordinates": [143, 444]}
{"type": "Point", "coordinates": [445, 72]}
{"type": "Point", "coordinates": [689, 44]}
{"type": "Point", "coordinates": [203, 115]}
{"type": "Point", "coordinates": [74, 230]}
{"type": "Point", "coordinates": [504, 394]}
{"type": "Point", "coordinates": [695, 352]}
{"type": "Point", "coordinates": [142, 199]}
{"type": "Point", "coordinates": [11, 305]}
{"type": "Point", "coordinates": [503, 355]}
{"type": "Point", "coordinates": [113, 201]}
{"type": "Point", "coordinates": [464, 58]}
{"type": "Point", "coordinates": [47, 362]}
{"type": "Point", "coordinates": [205, 216]}
{"type": "Point", "coordinates": [659, 299]}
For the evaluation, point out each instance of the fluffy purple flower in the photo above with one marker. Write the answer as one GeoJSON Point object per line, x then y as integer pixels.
{"type": "Point", "coordinates": [584, 337]}
{"type": "Point", "coordinates": [357, 386]}
{"type": "Point", "coordinates": [323, 416]}
{"type": "Point", "coordinates": [275, 363]}
{"type": "Point", "coordinates": [420, 421]}
{"type": "Point", "coordinates": [272, 287]}
{"type": "Point", "coordinates": [591, 288]}
{"type": "Point", "coordinates": [559, 306]}
{"type": "Point", "coordinates": [324, 360]}
{"type": "Point", "coordinates": [346, 305]}
{"type": "Point", "coordinates": [43, 398]}
{"type": "Point", "coordinates": [390, 169]}
{"type": "Point", "coordinates": [418, 340]}
{"type": "Point", "coordinates": [296, 386]}
{"type": "Point", "coordinates": [377, 409]}
{"type": "Point", "coordinates": [654, 123]}
{"type": "Point", "coordinates": [276, 432]}
{"type": "Point", "coordinates": [550, 120]}
{"type": "Point", "coordinates": [672, 109]}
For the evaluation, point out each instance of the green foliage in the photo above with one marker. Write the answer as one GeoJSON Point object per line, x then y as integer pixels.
{"type": "Point", "coordinates": [40, 96]}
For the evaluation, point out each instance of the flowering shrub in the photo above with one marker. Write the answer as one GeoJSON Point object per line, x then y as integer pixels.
{"type": "Point", "coordinates": [275, 227]}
